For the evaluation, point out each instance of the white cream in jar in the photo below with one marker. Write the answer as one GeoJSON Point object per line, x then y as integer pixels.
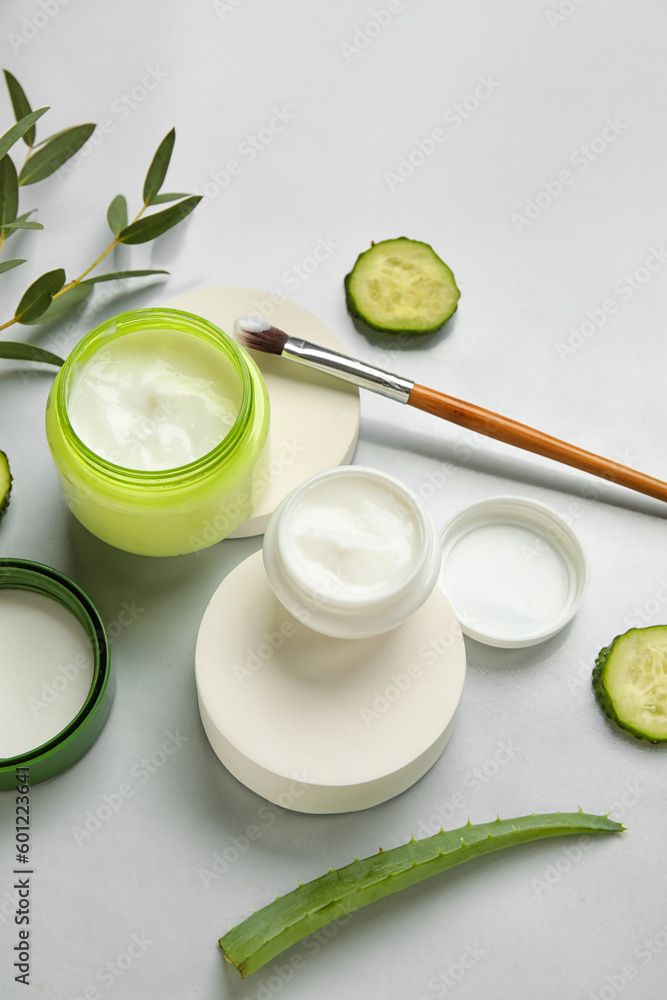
{"type": "Point", "coordinates": [351, 552]}
{"type": "Point", "coordinates": [153, 400]}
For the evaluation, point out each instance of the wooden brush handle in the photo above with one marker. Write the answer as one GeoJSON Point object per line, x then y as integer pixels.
{"type": "Point", "coordinates": [511, 432]}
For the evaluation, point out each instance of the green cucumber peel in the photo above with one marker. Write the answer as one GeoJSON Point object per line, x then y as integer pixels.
{"type": "Point", "coordinates": [5, 483]}
{"type": "Point", "coordinates": [288, 919]}
{"type": "Point", "coordinates": [628, 681]}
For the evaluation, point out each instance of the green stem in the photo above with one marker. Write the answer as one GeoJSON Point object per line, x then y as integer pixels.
{"type": "Point", "coordinates": [112, 246]}
{"type": "Point", "coordinates": [76, 281]}
{"type": "Point", "coordinates": [8, 323]}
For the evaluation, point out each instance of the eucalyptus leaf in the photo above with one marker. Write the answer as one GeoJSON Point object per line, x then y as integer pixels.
{"type": "Point", "coordinates": [117, 214]}
{"type": "Point", "coordinates": [37, 298]}
{"type": "Point", "coordinates": [23, 224]}
{"type": "Point", "coordinates": [9, 231]}
{"type": "Point", "coordinates": [158, 168]}
{"type": "Point", "coordinates": [161, 199]}
{"type": "Point", "coordinates": [62, 304]}
{"type": "Point", "coordinates": [20, 104]}
{"type": "Point", "coordinates": [28, 352]}
{"type": "Point", "coordinates": [155, 225]}
{"type": "Point", "coordinates": [13, 134]}
{"type": "Point", "coordinates": [9, 191]}
{"type": "Point", "coordinates": [9, 265]}
{"type": "Point", "coordinates": [114, 275]}
{"type": "Point", "coordinates": [54, 135]}
{"type": "Point", "coordinates": [56, 151]}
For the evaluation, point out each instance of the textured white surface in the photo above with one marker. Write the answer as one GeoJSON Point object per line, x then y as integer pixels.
{"type": "Point", "coordinates": [560, 325]}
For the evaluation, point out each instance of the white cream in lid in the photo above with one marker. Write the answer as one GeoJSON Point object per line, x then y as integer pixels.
{"type": "Point", "coordinates": [514, 571]}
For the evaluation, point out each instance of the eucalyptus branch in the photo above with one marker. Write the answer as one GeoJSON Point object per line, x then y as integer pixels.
{"type": "Point", "coordinates": [51, 296]}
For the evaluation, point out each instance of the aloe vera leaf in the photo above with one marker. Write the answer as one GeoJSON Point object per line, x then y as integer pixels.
{"type": "Point", "coordinates": [288, 919]}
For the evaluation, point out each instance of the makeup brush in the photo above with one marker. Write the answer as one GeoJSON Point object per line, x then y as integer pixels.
{"type": "Point", "coordinates": [257, 334]}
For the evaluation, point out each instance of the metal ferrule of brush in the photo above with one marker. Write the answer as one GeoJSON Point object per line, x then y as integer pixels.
{"type": "Point", "coordinates": [357, 372]}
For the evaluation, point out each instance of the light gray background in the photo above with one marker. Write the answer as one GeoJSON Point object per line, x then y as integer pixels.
{"type": "Point", "coordinates": [536, 922]}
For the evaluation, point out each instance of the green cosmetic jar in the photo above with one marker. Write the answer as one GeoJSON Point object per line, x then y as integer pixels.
{"type": "Point", "coordinates": [170, 511]}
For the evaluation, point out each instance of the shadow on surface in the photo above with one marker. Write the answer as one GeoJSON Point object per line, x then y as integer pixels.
{"type": "Point", "coordinates": [516, 467]}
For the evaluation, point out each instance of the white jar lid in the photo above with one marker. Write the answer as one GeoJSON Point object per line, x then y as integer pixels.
{"type": "Point", "coordinates": [513, 570]}
{"type": "Point", "coordinates": [317, 724]}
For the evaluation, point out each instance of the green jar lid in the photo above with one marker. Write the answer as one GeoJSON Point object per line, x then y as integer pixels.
{"type": "Point", "coordinates": [78, 735]}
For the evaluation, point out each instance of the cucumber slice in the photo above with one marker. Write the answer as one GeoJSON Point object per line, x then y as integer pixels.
{"type": "Point", "coordinates": [630, 682]}
{"type": "Point", "coordinates": [401, 286]}
{"type": "Point", "coordinates": [5, 483]}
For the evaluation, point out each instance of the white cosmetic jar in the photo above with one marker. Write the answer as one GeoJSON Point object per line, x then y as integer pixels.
{"type": "Point", "coordinates": [351, 553]}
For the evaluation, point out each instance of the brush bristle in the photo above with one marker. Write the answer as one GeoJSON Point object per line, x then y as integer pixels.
{"type": "Point", "coordinates": [258, 335]}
